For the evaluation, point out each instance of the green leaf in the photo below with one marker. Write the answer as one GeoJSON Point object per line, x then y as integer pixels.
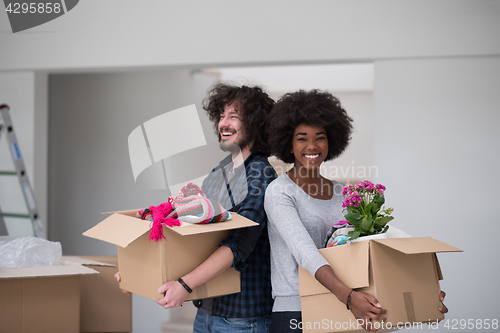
{"type": "Point", "coordinates": [372, 208]}
{"type": "Point", "coordinates": [379, 200]}
{"type": "Point", "coordinates": [366, 223]}
{"type": "Point", "coordinates": [352, 209]}
{"type": "Point", "coordinates": [355, 234]}
{"type": "Point", "coordinates": [353, 218]}
{"type": "Point", "coordinates": [384, 220]}
{"type": "Point", "coordinates": [357, 215]}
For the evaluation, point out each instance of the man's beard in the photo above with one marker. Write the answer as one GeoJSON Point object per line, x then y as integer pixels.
{"type": "Point", "coordinates": [237, 146]}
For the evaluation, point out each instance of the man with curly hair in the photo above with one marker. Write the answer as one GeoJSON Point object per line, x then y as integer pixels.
{"type": "Point", "coordinates": [238, 183]}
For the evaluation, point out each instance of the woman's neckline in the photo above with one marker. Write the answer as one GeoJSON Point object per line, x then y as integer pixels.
{"type": "Point", "coordinates": [333, 189]}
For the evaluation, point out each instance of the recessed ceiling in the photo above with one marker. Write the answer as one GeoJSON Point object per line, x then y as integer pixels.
{"type": "Point", "coordinates": [338, 77]}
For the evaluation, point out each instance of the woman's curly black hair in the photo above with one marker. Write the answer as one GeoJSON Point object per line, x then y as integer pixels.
{"type": "Point", "coordinates": [313, 107]}
{"type": "Point", "coordinates": [254, 107]}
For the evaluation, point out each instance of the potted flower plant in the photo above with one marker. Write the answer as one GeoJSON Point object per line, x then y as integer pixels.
{"type": "Point", "coordinates": [364, 202]}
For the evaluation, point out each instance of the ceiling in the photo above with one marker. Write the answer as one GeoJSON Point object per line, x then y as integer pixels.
{"type": "Point", "coordinates": [337, 77]}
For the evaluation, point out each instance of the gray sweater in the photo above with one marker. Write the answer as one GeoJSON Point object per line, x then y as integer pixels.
{"type": "Point", "coordinates": [297, 225]}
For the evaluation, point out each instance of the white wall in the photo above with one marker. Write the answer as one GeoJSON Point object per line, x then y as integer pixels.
{"type": "Point", "coordinates": [436, 145]}
{"type": "Point", "coordinates": [356, 162]}
{"type": "Point", "coordinates": [108, 34]}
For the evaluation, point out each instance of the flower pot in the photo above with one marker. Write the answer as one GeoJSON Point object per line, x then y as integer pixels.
{"type": "Point", "coordinates": [377, 236]}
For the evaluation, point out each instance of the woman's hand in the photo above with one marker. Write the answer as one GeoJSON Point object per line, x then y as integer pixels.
{"type": "Point", "coordinates": [118, 279]}
{"type": "Point", "coordinates": [367, 308]}
{"type": "Point", "coordinates": [363, 306]}
{"type": "Point", "coordinates": [175, 295]}
{"type": "Point", "coordinates": [442, 308]}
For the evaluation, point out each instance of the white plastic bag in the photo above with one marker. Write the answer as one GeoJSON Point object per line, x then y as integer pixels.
{"type": "Point", "coordinates": [28, 252]}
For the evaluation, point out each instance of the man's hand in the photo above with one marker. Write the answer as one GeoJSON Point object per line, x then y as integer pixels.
{"type": "Point", "coordinates": [175, 295]}
{"type": "Point", "coordinates": [118, 278]}
{"type": "Point", "coordinates": [442, 308]}
{"type": "Point", "coordinates": [367, 308]}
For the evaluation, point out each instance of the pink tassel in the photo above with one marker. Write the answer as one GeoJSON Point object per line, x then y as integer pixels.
{"type": "Point", "coordinates": [160, 214]}
{"type": "Point", "coordinates": [156, 232]}
{"type": "Point", "coordinates": [342, 222]}
{"type": "Point", "coordinates": [171, 222]}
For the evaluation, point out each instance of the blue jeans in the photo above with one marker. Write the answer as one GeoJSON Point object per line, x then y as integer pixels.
{"type": "Point", "coordinates": [289, 321]}
{"type": "Point", "coordinates": [204, 323]}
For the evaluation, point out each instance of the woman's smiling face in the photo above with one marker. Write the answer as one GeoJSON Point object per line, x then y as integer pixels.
{"type": "Point", "coordinates": [309, 146]}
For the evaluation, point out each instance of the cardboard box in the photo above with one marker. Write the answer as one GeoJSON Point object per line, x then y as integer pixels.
{"type": "Point", "coordinates": [402, 273]}
{"type": "Point", "coordinates": [41, 299]}
{"type": "Point", "coordinates": [144, 266]}
{"type": "Point", "coordinates": [103, 305]}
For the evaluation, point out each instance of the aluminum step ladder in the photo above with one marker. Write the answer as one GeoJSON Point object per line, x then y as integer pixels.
{"type": "Point", "coordinates": [20, 171]}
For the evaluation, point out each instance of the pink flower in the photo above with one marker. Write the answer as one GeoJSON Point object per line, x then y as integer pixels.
{"type": "Point", "coordinates": [365, 183]}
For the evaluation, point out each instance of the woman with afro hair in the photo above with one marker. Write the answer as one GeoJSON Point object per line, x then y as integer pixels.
{"type": "Point", "coordinates": [307, 128]}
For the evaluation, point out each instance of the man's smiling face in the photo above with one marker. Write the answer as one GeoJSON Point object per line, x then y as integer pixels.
{"type": "Point", "coordinates": [231, 129]}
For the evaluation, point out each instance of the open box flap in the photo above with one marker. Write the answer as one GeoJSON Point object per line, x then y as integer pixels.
{"type": "Point", "coordinates": [45, 271]}
{"type": "Point", "coordinates": [129, 212]}
{"type": "Point", "coordinates": [414, 245]}
{"type": "Point", "coordinates": [122, 228]}
{"type": "Point", "coordinates": [69, 260]}
{"type": "Point", "coordinates": [350, 262]}
{"type": "Point", "coordinates": [119, 229]}
{"type": "Point", "coordinates": [438, 267]}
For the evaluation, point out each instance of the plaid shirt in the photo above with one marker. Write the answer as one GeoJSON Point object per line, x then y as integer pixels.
{"type": "Point", "coordinates": [250, 246]}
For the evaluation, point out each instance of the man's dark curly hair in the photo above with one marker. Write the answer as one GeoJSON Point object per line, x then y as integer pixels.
{"type": "Point", "coordinates": [254, 107]}
{"type": "Point", "coordinates": [313, 107]}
